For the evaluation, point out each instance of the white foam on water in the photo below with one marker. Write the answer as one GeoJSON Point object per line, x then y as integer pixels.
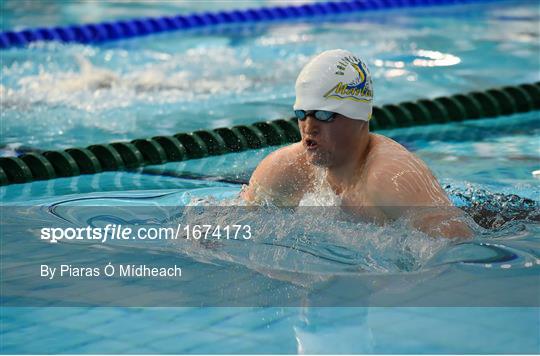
{"type": "Point", "coordinates": [93, 88]}
{"type": "Point", "coordinates": [310, 239]}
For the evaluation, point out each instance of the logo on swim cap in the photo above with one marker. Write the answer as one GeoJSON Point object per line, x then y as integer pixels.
{"type": "Point", "coordinates": [359, 89]}
{"type": "Point", "coordinates": [337, 81]}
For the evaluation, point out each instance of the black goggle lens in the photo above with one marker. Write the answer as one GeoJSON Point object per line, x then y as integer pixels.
{"type": "Point", "coordinates": [320, 115]}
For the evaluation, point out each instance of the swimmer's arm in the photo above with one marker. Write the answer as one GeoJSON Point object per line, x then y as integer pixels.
{"type": "Point", "coordinates": [276, 179]}
{"type": "Point", "coordinates": [418, 196]}
{"type": "Point", "coordinates": [448, 222]}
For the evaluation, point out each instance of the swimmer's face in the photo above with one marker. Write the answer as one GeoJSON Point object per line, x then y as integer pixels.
{"type": "Point", "coordinates": [329, 143]}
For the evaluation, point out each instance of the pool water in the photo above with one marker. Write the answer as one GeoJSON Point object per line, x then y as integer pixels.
{"type": "Point", "coordinates": [56, 96]}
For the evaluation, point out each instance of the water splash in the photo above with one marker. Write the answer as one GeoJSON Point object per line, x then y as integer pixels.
{"type": "Point", "coordinates": [318, 241]}
{"type": "Point", "coordinates": [310, 239]}
{"type": "Point", "coordinates": [494, 210]}
{"type": "Point", "coordinates": [93, 88]}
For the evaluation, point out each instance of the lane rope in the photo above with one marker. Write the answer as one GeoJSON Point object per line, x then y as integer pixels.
{"type": "Point", "coordinates": [123, 29]}
{"type": "Point", "coordinates": [118, 156]}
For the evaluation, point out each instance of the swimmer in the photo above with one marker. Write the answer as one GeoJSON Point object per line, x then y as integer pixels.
{"type": "Point", "coordinates": [375, 178]}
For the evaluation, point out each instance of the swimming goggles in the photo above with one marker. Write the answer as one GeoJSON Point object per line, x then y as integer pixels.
{"type": "Point", "coordinates": [321, 115]}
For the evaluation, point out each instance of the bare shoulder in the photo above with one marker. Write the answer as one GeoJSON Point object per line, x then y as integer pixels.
{"type": "Point", "coordinates": [400, 183]}
{"type": "Point", "coordinates": [397, 176]}
{"type": "Point", "coordinates": [280, 176]}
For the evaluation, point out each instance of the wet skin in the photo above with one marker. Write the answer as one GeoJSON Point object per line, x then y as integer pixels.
{"type": "Point", "coordinates": [376, 178]}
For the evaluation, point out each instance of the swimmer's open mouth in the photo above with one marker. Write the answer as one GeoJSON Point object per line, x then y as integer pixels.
{"type": "Point", "coordinates": [310, 144]}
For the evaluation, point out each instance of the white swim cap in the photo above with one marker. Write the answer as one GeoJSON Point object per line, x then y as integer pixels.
{"type": "Point", "coordinates": [336, 81]}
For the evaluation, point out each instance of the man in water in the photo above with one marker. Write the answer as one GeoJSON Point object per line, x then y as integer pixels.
{"type": "Point", "coordinates": [374, 177]}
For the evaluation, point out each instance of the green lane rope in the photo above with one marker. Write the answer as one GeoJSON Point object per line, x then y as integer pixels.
{"type": "Point", "coordinates": [183, 146]}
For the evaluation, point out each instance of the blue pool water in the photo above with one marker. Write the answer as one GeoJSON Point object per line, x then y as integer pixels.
{"type": "Point", "coordinates": [56, 96]}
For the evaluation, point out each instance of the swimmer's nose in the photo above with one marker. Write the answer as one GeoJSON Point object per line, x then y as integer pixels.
{"type": "Point", "coordinates": [311, 125]}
